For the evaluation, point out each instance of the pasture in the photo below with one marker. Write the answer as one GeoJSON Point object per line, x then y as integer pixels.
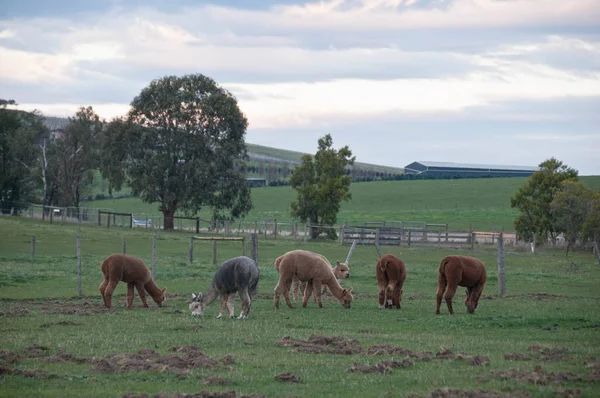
{"type": "Point", "coordinates": [482, 203]}
{"type": "Point", "coordinates": [541, 339]}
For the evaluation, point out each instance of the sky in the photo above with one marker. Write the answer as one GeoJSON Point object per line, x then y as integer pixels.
{"type": "Point", "coordinates": [501, 82]}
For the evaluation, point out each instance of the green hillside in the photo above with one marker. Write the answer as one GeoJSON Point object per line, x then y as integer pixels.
{"type": "Point", "coordinates": [483, 203]}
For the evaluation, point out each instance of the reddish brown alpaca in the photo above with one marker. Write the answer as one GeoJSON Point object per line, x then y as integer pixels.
{"type": "Point", "coordinates": [457, 271]}
{"type": "Point", "coordinates": [133, 271]}
{"type": "Point", "coordinates": [391, 273]}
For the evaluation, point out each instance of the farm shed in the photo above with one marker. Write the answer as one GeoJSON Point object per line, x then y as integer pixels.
{"type": "Point", "coordinates": [428, 169]}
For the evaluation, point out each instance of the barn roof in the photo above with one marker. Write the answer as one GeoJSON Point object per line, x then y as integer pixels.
{"type": "Point", "coordinates": [477, 166]}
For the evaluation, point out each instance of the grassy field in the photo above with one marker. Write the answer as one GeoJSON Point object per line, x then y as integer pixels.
{"type": "Point", "coordinates": [296, 157]}
{"type": "Point", "coordinates": [83, 349]}
{"type": "Point", "coordinates": [481, 203]}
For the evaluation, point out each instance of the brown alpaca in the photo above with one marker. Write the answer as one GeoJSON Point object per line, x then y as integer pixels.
{"type": "Point", "coordinates": [391, 274]}
{"type": "Point", "coordinates": [457, 271]}
{"type": "Point", "coordinates": [341, 271]}
{"type": "Point", "coordinates": [133, 271]}
{"type": "Point", "coordinates": [312, 268]}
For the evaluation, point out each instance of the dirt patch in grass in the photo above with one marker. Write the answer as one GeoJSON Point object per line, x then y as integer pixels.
{"type": "Point", "coordinates": [216, 381]}
{"type": "Point", "coordinates": [538, 376]}
{"type": "Point", "coordinates": [201, 394]}
{"type": "Point", "coordinates": [541, 354]}
{"type": "Point", "coordinates": [322, 344]}
{"type": "Point", "coordinates": [287, 378]}
{"type": "Point", "coordinates": [36, 351]}
{"type": "Point", "coordinates": [17, 312]}
{"type": "Point", "coordinates": [384, 366]}
{"type": "Point", "coordinates": [544, 296]}
{"type": "Point", "coordinates": [8, 357]}
{"type": "Point", "coordinates": [61, 323]}
{"type": "Point", "coordinates": [340, 345]}
{"type": "Point", "coordinates": [479, 393]}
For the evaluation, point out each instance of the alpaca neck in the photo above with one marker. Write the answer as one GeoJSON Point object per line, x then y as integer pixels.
{"type": "Point", "coordinates": [210, 296]}
{"type": "Point", "coordinates": [335, 288]}
{"type": "Point", "coordinates": [153, 290]}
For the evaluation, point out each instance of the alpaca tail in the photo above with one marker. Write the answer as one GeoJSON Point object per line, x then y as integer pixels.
{"type": "Point", "coordinates": [277, 262]}
{"type": "Point", "coordinates": [384, 265]}
{"type": "Point", "coordinates": [443, 265]}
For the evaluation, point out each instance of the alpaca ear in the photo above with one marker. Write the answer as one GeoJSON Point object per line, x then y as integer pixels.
{"type": "Point", "coordinates": [337, 263]}
{"type": "Point", "coordinates": [164, 290]}
{"type": "Point", "coordinates": [193, 296]}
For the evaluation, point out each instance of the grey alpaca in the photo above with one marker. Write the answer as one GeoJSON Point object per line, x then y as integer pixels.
{"type": "Point", "coordinates": [239, 274]}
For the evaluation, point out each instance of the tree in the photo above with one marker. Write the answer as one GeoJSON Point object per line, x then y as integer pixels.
{"type": "Point", "coordinates": [18, 134]}
{"type": "Point", "coordinates": [76, 156]}
{"type": "Point", "coordinates": [182, 146]}
{"type": "Point", "coordinates": [570, 209]}
{"type": "Point", "coordinates": [321, 186]}
{"type": "Point", "coordinates": [533, 200]}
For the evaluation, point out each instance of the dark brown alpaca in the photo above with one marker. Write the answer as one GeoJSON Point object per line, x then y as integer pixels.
{"type": "Point", "coordinates": [391, 273]}
{"type": "Point", "coordinates": [457, 271]}
{"type": "Point", "coordinates": [133, 271]}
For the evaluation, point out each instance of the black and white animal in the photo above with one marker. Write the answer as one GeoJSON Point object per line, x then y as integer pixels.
{"type": "Point", "coordinates": [239, 274]}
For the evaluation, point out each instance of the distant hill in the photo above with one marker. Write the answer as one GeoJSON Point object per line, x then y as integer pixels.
{"type": "Point", "coordinates": [272, 157]}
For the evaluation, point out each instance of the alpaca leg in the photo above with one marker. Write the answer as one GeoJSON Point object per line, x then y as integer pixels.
{"type": "Point", "coordinates": [230, 309]}
{"type": "Point", "coordinates": [295, 287]}
{"type": "Point", "coordinates": [442, 283]}
{"type": "Point", "coordinates": [389, 294]}
{"type": "Point", "coordinates": [142, 293]}
{"type": "Point", "coordinates": [102, 289]}
{"type": "Point", "coordinates": [382, 286]}
{"type": "Point", "coordinates": [449, 295]}
{"type": "Point", "coordinates": [318, 289]}
{"type": "Point", "coordinates": [130, 293]}
{"type": "Point", "coordinates": [110, 288]}
{"type": "Point", "coordinates": [286, 294]}
{"type": "Point", "coordinates": [224, 297]}
{"type": "Point", "coordinates": [307, 292]}
{"type": "Point", "coordinates": [398, 296]}
{"type": "Point", "coordinates": [276, 295]}
{"type": "Point", "coordinates": [246, 302]}
{"type": "Point", "coordinates": [474, 296]}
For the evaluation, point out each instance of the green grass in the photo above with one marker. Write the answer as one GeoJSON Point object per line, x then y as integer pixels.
{"type": "Point", "coordinates": [552, 302]}
{"type": "Point", "coordinates": [483, 204]}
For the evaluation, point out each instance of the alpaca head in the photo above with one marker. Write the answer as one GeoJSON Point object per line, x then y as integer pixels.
{"type": "Point", "coordinates": [162, 298]}
{"type": "Point", "coordinates": [346, 298]}
{"type": "Point", "coordinates": [341, 270]}
{"type": "Point", "coordinates": [197, 305]}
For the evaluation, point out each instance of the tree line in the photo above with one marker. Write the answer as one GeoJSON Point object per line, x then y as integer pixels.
{"type": "Point", "coordinates": [182, 146]}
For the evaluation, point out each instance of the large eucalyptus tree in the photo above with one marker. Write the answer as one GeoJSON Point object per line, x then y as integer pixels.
{"type": "Point", "coordinates": [181, 146]}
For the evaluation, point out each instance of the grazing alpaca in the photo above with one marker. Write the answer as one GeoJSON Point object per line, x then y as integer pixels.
{"type": "Point", "coordinates": [391, 273]}
{"type": "Point", "coordinates": [457, 271]}
{"type": "Point", "coordinates": [239, 274]}
{"type": "Point", "coordinates": [341, 271]}
{"type": "Point", "coordinates": [133, 271]}
{"type": "Point", "coordinates": [312, 268]}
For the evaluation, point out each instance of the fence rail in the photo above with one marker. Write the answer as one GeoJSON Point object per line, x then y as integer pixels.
{"type": "Point", "coordinates": [386, 233]}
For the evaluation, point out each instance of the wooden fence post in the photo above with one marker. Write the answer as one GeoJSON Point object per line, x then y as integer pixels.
{"type": "Point", "coordinates": [243, 246]}
{"type": "Point", "coordinates": [305, 232]}
{"type": "Point", "coordinates": [51, 214]}
{"type": "Point", "coordinates": [377, 243]}
{"type": "Point", "coordinates": [214, 252]}
{"type": "Point", "coordinates": [191, 250]}
{"type": "Point", "coordinates": [254, 247]}
{"type": "Point", "coordinates": [350, 252]}
{"type": "Point", "coordinates": [153, 257]}
{"type": "Point", "coordinates": [409, 234]}
{"type": "Point", "coordinates": [275, 229]}
{"type": "Point", "coordinates": [79, 288]}
{"type": "Point", "coordinates": [33, 247]}
{"type": "Point", "coordinates": [198, 225]}
{"type": "Point", "coordinates": [124, 245]}
{"type": "Point", "coordinates": [471, 237]}
{"type": "Point", "coordinates": [501, 268]}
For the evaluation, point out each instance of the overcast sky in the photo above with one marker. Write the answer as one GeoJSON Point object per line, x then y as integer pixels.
{"type": "Point", "coordinates": [473, 81]}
